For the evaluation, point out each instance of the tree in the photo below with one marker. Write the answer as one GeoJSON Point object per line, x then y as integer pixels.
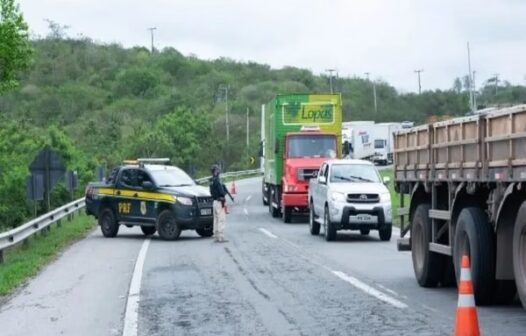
{"type": "Point", "coordinates": [15, 50]}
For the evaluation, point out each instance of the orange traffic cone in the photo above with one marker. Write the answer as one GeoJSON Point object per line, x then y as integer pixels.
{"type": "Point", "coordinates": [467, 323]}
{"type": "Point", "coordinates": [233, 188]}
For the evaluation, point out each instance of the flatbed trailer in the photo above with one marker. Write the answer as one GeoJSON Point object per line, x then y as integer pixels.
{"type": "Point", "coordinates": [465, 180]}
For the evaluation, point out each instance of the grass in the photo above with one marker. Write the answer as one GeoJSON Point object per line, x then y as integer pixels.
{"type": "Point", "coordinates": [395, 197]}
{"type": "Point", "coordinates": [27, 259]}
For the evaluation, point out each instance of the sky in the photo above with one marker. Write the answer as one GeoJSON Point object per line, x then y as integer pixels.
{"type": "Point", "coordinates": [388, 38]}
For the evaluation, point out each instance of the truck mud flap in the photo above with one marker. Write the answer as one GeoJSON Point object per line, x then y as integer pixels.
{"type": "Point", "coordinates": [403, 244]}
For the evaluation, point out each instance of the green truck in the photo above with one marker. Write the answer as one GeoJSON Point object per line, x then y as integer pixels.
{"type": "Point", "coordinates": [301, 131]}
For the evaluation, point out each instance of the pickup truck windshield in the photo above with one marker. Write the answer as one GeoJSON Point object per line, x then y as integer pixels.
{"type": "Point", "coordinates": [171, 178]}
{"type": "Point", "coordinates": [311, 146]}
{"type": "Point", "coordinates": [354, 173]}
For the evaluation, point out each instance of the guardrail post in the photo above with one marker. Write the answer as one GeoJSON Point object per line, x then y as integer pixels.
{"type": "Point", "coordinates": [1, 256]}
{"type": "Point", "coordinates": [59, 223]}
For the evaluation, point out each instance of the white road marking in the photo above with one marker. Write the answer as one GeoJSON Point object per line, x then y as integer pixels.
{"type": "Point", "coordinates": [388, 290]}
{"type": "Point", "coordinates": [245, 211]}
{"type": "Point", "coordinates": [370, 290]}
{"type": "Point", "coordinates": [131, 315]}
{"type": "Point", "coordinates": [268, 233]}
{"type": "Point", "coordinates": [248, 198]}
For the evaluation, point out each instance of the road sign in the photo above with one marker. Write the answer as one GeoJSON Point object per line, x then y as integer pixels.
{"type": "Point", "coordinates": [101, 173]}
{"type": "Point", "coordinates": [35, 187]}
{"type": "Point", "coordinates": [48, 164]}
{"type": "Point", "coordinates": [71, 181]}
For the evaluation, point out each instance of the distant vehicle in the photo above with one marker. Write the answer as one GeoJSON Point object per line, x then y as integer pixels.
{"type": "Point", "coordinates": [155, 197]}
{"type": "Point", "coordinates": [358, 135]}
{"type": "Point", "coordinates": [383, 137]}
{"type": "Point", "coordinates": [407, 124]}
{"type": "Point", "coordinates": [301, 131]}
{"type": "Point", "coordinates": [349, 195]}
{"type": "Point", "coordinates": [466, 179]}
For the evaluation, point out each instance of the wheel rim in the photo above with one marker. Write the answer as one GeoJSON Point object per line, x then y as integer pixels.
{"type": "Point", "coordinates": [325, 223]}
{"type": "Point", "coordinates": [522, 251]}
{"type": "Point", "coordinates": [106, 223]}
{"type": "Point", "coordinates": [169, 227]}
{"type": "Point", "coordinates": [418, 236]}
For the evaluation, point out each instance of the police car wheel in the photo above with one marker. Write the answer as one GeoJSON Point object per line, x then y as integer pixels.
{"type": "Point", "coordinates": [108, 223]}
{"type": "Point", "coordinates": [167, 226]}
{"type": "Point", "coordinates": [148, 230]}
{"type": "Point", "coordinates": [207, 232]}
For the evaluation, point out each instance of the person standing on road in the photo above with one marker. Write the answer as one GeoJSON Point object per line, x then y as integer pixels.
{"type": "Point", "coordinates": [218, 194]}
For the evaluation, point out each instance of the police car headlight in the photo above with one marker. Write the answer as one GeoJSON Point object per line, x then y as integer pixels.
{"type": "Point", "coordinates": [384, 198]}
{"type": "Point", "coordinates": [338, 196]}
{"type": "Point", "coordinates": [184, 200]}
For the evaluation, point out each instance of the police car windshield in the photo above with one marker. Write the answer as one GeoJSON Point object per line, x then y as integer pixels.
{"type": "Point", "coordinates": [171, 178]}
{"type": "Point", "coordinates": [354, 173]}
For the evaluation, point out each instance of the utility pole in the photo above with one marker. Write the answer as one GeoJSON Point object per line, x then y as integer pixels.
{"type": "Point", "coordinates": [474, 92]}
{"type": "Point", "coordinates": [374, 91]}
{"type": "Point", "coordinates": [152, 29]}
{"type": "Point", "coordinates": [330, 71]}
{"type": "Point", "coordinates": [470, 80]}
{"type": "Point", "coordinates": [248, 130]}
{"type": "Point", "coordinates": [225, 88]}
{"type": "Point", "coordinates": [496, 83]}
{"type": "Point", "coordinates": [419, 82]}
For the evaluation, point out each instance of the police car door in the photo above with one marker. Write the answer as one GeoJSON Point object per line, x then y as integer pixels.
{"type": "Point", "coordinates": [124, 195]}
{"type": "Point", "coordinates": [147, 198]}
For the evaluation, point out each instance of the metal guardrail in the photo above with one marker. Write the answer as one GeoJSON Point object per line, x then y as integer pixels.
{"type": "Point", "coordinates": [231, 174]}
{"type": "Point", "coordinates": [22, 232]}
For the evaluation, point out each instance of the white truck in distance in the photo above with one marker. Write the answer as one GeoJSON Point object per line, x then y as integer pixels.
{"type": "Point", "coordinates": [358, 135]}
{"type": "Point", "coordinates": [349, 195]}
{"type": "Point", "coordinates": [383, 138]}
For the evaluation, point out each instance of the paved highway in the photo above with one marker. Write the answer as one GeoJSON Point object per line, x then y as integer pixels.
{"type": "Point", "coordinates": [271, 278]}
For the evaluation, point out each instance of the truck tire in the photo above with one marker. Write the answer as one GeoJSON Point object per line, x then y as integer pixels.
{"type": "Point", "coordinates": [148, 230]}
{"type": "Point", "coordinates": [264, 194]}
{"type": "Point", "coordinates": [474, 238]}
{"type": "Point", "coordinates": [167, 226]}
{"type": "Point", "coordinates": [287, 214]}
{"type": "Point", "coordinates": [313, 225]}
{"type": "Point", "coordinates": [365, 232]}
{"type": "Point", "coordinates": [519, 253]}
{"type": "Point", "coordinates": [273, 211]}
{"type": "Point", "coordinates": [206, 232]}
{"type": "Point", "coordinates": [108, 222]}
{"type": "Point", "coordinates": [385, 232]}
{"type": "Point", "coordinates": [328, 227]}
{"type": "Point", "coordinates": [428, 266]}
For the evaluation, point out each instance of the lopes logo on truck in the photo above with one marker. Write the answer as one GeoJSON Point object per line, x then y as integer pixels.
{"type": "Point", "coordinates": [304, 113]}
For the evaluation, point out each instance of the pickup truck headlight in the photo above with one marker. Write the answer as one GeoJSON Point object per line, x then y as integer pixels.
{"type": "Point", "coordinates": [184, 200]}
{"type": "Point", "coordinates": [338, 196]}
{"type": "Point", "coordinates": [384, 198]}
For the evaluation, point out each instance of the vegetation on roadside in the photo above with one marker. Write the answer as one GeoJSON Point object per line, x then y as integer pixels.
{"type": "Point", "coordinates": [25, 260]}
{"type": "Point", "coordinates": [395, 197]}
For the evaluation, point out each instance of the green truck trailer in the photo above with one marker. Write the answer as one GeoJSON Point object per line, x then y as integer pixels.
{"type": "Point", "coordinates": [301, 131]}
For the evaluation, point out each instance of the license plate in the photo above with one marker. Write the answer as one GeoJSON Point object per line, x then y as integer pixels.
{"type": "Point", "coordinates": [363, 219]}
{"type": "Point", "coordinates": [206, 212]}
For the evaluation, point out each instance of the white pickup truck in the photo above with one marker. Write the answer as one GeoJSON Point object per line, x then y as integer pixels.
{"type": "Point", "coordinates": [349, 195]}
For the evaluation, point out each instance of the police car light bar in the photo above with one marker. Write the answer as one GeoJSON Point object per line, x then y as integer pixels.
{"type": "Point", "coordinates": [153, 160]}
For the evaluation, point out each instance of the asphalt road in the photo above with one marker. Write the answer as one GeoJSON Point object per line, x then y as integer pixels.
{"type": "Point", "coordinates": [271, 278]}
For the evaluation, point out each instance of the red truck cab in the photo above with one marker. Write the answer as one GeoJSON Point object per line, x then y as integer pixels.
{"type": "Point", "coordinates": [305, 152]}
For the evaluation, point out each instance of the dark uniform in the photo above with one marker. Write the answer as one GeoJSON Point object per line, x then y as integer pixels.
{"type": "Point", "coordinates": [218, 194]}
